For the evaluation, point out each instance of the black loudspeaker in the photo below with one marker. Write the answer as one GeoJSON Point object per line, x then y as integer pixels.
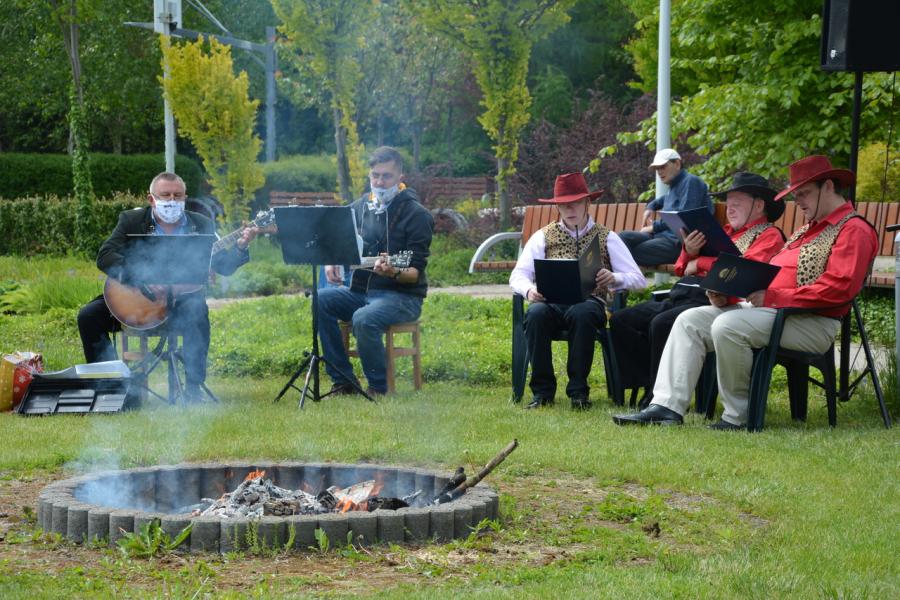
{"type": "Point", "coordinates": [860, 35]}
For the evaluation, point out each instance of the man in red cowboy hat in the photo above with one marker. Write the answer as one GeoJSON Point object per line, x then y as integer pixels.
{"type": "Point", "coordinates": [639, 332]}
{"type": "Point", "coordinates": [566, 238]}
{"type": "Point", "coordinates": [655, 243]}
{"type": "Point", "coordinates": [823, 266]}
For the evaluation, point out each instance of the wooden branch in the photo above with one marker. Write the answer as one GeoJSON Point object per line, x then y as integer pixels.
{"type": "Point", "coordinates": [485, 471]}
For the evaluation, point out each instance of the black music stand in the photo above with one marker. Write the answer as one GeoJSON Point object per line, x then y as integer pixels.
{"type": "Point", "coordinates": [315, 236]}
{"type": "Point", "coordinates": [167, 260]}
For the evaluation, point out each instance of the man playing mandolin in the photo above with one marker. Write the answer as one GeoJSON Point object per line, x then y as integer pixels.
{"type": "Point", "coordinates": [397, 229]}
{"type": "Point", "coordinates": [145, 308]}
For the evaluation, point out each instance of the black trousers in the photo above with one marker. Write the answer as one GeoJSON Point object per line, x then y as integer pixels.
{"type": "Point", "coordinates": [543, 324]}
{"type": "Point", "coordinates": [638, 335]}
{"type": "Point", "coordinates": [190, 318]}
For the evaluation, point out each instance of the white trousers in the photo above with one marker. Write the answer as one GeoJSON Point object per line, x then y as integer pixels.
{"type": "Point", "coordinates": [732, 333]}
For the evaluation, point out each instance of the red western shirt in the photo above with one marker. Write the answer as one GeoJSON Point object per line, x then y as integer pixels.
{"type": "Point", "coordinates": [763, 248]}
{"type": "Point", "coordinates": [846, 269]}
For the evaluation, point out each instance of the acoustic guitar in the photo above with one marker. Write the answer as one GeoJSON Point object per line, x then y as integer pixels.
{"type": "Point", "coordinates": [139, 308]}
{"type": "Point", "coordinates": [362, 274]}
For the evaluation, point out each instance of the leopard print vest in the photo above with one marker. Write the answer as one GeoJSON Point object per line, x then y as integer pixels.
{"type": "Point", "coordinates": [744, 242]}
{"type": "Point", "coordinates": [814, 253]}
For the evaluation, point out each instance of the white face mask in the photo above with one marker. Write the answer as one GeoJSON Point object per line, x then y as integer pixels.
{"type": "Point", "coordinates": [169, 211]}
{"type": "Point", "coordinates": [384, 195]}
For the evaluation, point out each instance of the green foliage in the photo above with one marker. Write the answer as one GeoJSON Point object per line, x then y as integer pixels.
{"type": "Point", "coordinates": [299, 173]}
{"type": "Point", "coordinates": [152, 541]}
{"type": "Point", "coordinates": [498, 37]}
{"type": "Point", "coordinates": [81, 174]}
{"type": "Point", "coordinates": [878, 174]}
{"type": "Point", "coordinates": [215, 112]}
{"type": "Point", "coordinates": [754, 97]}
{"type": "Point", "coordinates": [322, 543]}
{"type": "Point", "coordinates": [44, 225]}
{"type": "Point", "coordinates": [51, 174]}
{"type": "Point", "coordinates": [322, 39]}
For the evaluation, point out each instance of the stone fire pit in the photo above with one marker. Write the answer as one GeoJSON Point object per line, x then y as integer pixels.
{"type": "Point", "coordinates": [103, 505]}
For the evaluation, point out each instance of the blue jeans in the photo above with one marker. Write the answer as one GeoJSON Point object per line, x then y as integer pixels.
{"type": "Point", "coordinates": [370, 314]}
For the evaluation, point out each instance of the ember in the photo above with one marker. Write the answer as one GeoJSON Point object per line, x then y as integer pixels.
{"type": "Point", "coordinates": [257, 496]}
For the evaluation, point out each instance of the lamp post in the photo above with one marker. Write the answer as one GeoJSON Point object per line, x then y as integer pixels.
{"type": "Point", "coordinates": [166, 17]}
{"type": "Point", "coordinates": [663, 88]}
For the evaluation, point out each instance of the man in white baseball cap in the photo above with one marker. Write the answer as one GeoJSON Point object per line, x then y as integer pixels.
{"type": "Point", "coordinates": [655, 243]}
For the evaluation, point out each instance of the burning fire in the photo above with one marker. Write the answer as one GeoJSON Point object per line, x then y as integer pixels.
{"type": "Point", "coordinates": [254, 475]}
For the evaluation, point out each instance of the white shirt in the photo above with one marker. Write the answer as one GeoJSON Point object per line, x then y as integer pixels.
{"type": "Point", "coordinates": [627, 274]}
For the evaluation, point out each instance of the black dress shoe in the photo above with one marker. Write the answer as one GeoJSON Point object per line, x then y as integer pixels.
{"type": "Point", "coordinates": [646, 399]}
{"type": "Point", "coordinates": [538, 402]}
{"type": "Point", "coordinates": [580, 403]}
{"type": "Point", "coordinates": [654, 414]}
{"type": "Point", "coordinates": [722, 425]}
{"type": "Point", "coordinates": [343, 389]}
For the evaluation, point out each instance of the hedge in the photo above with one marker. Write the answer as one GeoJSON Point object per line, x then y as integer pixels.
{"type": "Point", "coordinates": [299, 173]}
{"type": "Point", "coordinates": [45, 224]}
{"type": "Point", "coordinates": [29, 175]}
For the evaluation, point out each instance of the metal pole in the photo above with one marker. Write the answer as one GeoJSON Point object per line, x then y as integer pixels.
{"type": "Point", "coordinates": [663, 89]}
{"type": "Point", "coordinates": [854, 129]}
{"type": "Point", "coordinates": [897, 301]}
{"type": "Point", "coordinates": [270, 94]}
{"type": "Point", "coordinates": [168, 116]}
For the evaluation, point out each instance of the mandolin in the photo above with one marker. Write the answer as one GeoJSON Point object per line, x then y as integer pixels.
{"type": "Point", "coordinates": [139, 309]}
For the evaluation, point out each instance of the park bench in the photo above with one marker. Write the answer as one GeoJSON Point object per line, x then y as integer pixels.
{"type": "Point", "coordinates": [628, 216]}
{"type": "Point", "coordinates": [277, 198]}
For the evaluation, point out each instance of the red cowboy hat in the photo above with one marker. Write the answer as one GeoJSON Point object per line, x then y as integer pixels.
{"type": "Point", "coordinates": [570, 187]}
{"type": "Point", "coordinates": [814, 168]}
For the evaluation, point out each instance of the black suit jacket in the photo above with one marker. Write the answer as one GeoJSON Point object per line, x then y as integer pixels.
{"type": "Point", "coordinates": [140, 221]}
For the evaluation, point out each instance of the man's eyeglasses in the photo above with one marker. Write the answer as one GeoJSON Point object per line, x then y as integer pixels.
{"type": "Point", "coordinates": [169, 197]}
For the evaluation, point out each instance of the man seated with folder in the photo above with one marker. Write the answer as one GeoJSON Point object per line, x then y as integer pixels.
{"type": "Point", "coordinates": [573, 235]}
{"type": "Point", "coordinates": [822, 266]}
{"type": "Point", "coordinates": [639, 332]}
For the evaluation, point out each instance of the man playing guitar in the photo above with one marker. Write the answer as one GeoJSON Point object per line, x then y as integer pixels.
{"type": "Point", "coordinates": [165, 215]}
{"type": "Point", "coordinates": [391, 222]}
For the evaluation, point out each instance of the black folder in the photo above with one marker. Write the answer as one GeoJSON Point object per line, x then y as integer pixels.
{"type": "Point", "coordinates": [700, 219]}
{"type": "Point", "coordinates": [734, 275]}
{"type": "Point", "coordinates": [566, 280]}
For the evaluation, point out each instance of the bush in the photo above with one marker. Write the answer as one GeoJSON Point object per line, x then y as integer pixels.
{"type": "Point", "coordinates": [28, 175]}
{"type": "Point", "coordinates": [873, 186]}
{"type": "Point", "coordinates": [45, 225]}
{"type": "Point", "coordinates": [299, 173]}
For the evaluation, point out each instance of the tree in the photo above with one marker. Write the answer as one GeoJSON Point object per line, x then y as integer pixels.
{"type": "Point", "coordinates": [497, 35]}
{"type": "Point", "coordinates": [754, 95]}
{"type": "Point", "coordinates": [214, 111]}
{"type": "Point", "coordinates": [325, 36]}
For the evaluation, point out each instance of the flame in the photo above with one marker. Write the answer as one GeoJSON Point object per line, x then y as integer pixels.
{"type": "Point", "coordinates": [254, 475]}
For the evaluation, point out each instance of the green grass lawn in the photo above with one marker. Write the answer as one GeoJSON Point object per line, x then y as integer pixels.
{"type": "Point", "coordinates": [588, 509]}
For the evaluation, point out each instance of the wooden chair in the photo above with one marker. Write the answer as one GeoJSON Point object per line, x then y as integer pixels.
{"type": "Point", "coordinates": [392, 350]}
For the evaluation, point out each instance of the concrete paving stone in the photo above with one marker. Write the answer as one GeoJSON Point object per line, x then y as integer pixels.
{"type": "Point", "coordinates": [233, 534]}
{"type": "Point", "coordinates": [462, 519]}
{"type": "Point", "coordinates": [441, 524]}
{"type": "Point", "coordinates": [98, 523]}
{"type": "Point", "coordinates": [335, 527]}
{"type": "Point", "coordinates": [173, 525]}
{"type": "Point", "coordinates": [77, 522]}
{"type": "Point", "coordinates": [416, 523]}
{"type": "Point", "coordinates": [271, 532]}
{"type": "Point", "coordinates": [304, 530]}
{"type": "Point", "coordinates": [288, 475]}
{"type": "Point", "coordinates": [390, 526]}
{"type": "Point", "coordinates": [235, 473]}
{"type": "Point", "coordinates": [364, 526]}
{"type": "Point", "coordinates": [120, 523]}
{"type": "Point", "coordinates": [479, 510]}
{"type": "Point", "coordinates": [59, 515]}
{"type": "Point", "coordinates": [212, 480]}
{"type": "Point", "coordinates": [205, 534]}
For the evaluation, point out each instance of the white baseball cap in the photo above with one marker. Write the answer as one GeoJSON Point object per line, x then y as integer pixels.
{"type": "Point", "coordinates": [664, 156]}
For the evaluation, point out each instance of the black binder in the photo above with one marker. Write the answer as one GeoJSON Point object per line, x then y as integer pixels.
{"type": "Point", "coordinates": [567, 280]}
{"type": "Point", "coordinates": [700, 219]}
{"type": "Point", "coordinates": [734, 275]}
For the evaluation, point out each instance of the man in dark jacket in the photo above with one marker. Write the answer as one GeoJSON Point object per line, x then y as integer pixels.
{"type": "Point", "coordinates": [390, 221]}
{"type": "Point", "coordinates": [164, 216]}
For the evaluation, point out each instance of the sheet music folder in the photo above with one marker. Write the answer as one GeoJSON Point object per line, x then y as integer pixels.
{"type": "Point", "coordinates": [567, 280]}
{"type": "Point", "coordinates": [700, 219]}
{"type": "Point", "coordinates": [737, 276]}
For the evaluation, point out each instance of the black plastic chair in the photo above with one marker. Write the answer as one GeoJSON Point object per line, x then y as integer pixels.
{"type": "Point", "coordinates": [797, 365]}
{"type": "Point", "coordinates": [520, 358]}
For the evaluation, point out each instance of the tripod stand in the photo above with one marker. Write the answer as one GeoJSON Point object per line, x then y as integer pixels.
{"type": "Point", "coordinates": [317, 235]}
{"type": "Point", "coordinates": [312, 359]}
